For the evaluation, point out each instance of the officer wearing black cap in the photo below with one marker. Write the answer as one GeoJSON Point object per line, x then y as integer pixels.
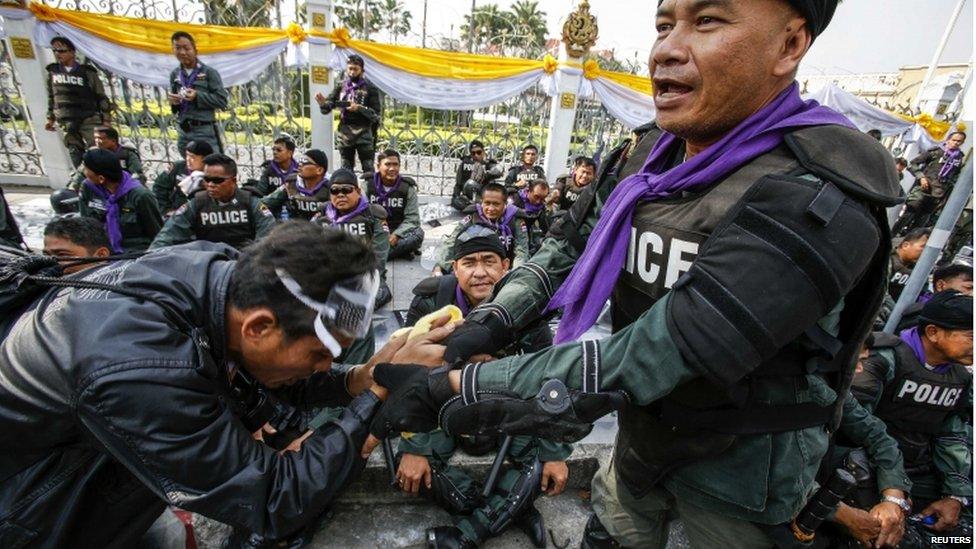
{"type": "Point", "coordinates": [222, 212]}
{"type": "Point", "coordinates": [171, 187]}
{"type": "Point", "coordinates": [479, 263]}
{"type": "Point", "coordinates": [350, 211]}
{"type": "Point", "coordinates": [306, 192]}
{"type": "Point", "coordinates": [115, 198]}
{"type": "Point", "coordinates": [358, 101]}
{"type": "Point", "coordinates": [76, 99]}
{"type": "Point", "coordinates": [920, 385]}
{"type": "Point", "coordinates": [739, 190]}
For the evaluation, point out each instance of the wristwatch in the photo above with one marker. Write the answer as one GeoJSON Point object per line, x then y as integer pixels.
{"type": "Point", "coordinates": [964, 501]}
{"type": "Point", "coordinates": [904, 504]}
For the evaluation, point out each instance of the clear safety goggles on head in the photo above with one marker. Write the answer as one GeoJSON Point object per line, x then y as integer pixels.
{"type": "Point", "coordinates": [476, 231]}
{"type": "Point", "coordinates": [347, 311]}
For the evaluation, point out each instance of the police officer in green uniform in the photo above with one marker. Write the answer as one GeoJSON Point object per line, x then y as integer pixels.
{"type": "Point", "coordinates": [903, 259]}
{"type": "Point", "coordinates": [479, 262]}
{"type": "Point", "coordinates": [196, 92]}
{"type": "Point", "coordinates": [282, 164]}
{"type": "Point", "coordinates": [527, 170]}
{"type": "Point", "coordinates": [397, 194]}
{"type": "Point", "coordinates": [493, 211]}
{"type": "Point", "coordinates": [476, 169]}
{"type": "Point", "coordinates": [222, 212]}
{"type": "Point", "coordinates": [115, 198]}
{"type": "Point", "coordinates": [306, 192]}
{"type": "Point", "coordinates": [531, 202]}
{"type": "Point", "coordinates": [359, 105]}
{"type": "Point", "coordinates": [107, 138]}
{"type": "Point", "coordinates": [186, 173]}
{"type": "Point", "coordinates": [936, 171]}
{"type": "Point", "coordinates": [76, 99]}
{"type": "Point", "coordinates": [569, 187]}
{"type": "Point", "coordinates": [918, 383]}
{"type": "Point", "coordinates": [740, 190]}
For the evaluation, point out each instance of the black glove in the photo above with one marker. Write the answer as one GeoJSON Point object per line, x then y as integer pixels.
{"type": "Point", "coordinates": [481, 333]}
{"type": "Point", "coordinates": [416, 396]}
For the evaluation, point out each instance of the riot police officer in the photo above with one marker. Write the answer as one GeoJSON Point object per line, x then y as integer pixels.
{"type": "Point", "coordinates": [937, 170]}
{"type": "Point", "coordinates": [569, 187]}
{"type": "Point", "coordinates": [919, 384]}
{"type": "Point", "coordinates": [349, 210]}
{"type": "Point", "coordinates": [526, 170]}
{"type": "Point", "coordinates": [184, 174]}
{"type": "Point", "coordinates": [493, 211]}
{"type": "Point", "coordinates": [903, 259]}
{"type": "Point", "coordinates": [397, 194]}
{"type": "Point", "coordinates": [274, 172]}
{"type": "Point", "coordinates": [726, 199]}
{"type": "Point", "coordinates": [531, 202]}
{"type": "Point", "coordinates": [476, 169]}
{"type": "Point", "coordinates": [306, 192]}
{"type": "Point", "coordinates": [76, 99]}
{"type": "Point", "coordinates": [107, 137]}
{"type": "Point", "coordinates": [196, 92]}
{"type": "Point", "coordinates": [359, 105]}
{"type": "Point", "coordinates": [222, 212]}
{"type": "Point", "coordinates": [116, 199]}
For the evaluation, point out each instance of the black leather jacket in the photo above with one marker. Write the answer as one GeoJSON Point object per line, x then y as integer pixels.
{"type": "Point", "coordinates": [109, 412]}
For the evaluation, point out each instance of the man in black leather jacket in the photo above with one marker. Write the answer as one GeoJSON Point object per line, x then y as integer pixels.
{"type": "Point", "coordinates": [114, 406]}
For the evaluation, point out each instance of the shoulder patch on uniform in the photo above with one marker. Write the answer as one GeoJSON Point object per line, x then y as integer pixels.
{"type": "Point", "coordinates": [377, 211]}
{"type": "Point", "coordinates": [263, 208]}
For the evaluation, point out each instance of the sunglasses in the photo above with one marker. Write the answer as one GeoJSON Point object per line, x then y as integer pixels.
{"type": "Point", "coordinates": [341, 189]}
{"type": "Point", "coordinates": [215, 179]}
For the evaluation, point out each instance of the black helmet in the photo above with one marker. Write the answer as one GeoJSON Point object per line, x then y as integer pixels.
{"type": "Point", "coordinates": [64, 201]}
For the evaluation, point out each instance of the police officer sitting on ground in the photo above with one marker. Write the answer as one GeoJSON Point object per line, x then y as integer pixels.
{"type": "Point", "coordinates": [717, 424]}
{"type": "Point", "coordinates": [73, 237]}
{"type": "Point", "coordinates": [918, 383]}
{"type": "Point", "coordinates": [304, 194]}
{"type": "Point", "coordinates": [569, 187]}
{"type": "Point", "coordinates": [116, 199]}
{"type": "Point", "coordinates": [171, 187]}
{"type": "Point", "coordinates": [196, 92]}
{"type": "Point", "coordinates": [76, 99]}
{"type": "Point", "coordinates": [282, 164]}
{"type": "Point", "coordinates": [107, 138]}
{"type": "Point", "coordinates": [349, 210]}
{"type": "Point", "coordinates": [140, 412]}
{"type": "Point", "coordinates": [398, 195]}
{"type": "Point", "coordinates": [903, 259]}
{"type": "Point", "coordinates": [359, 105]}
{"type": "Point", "coordinates": [936, 171]}
{"type": "Point", "coordinates": [531, 202]}
{"type": "Point", "coordinates": [948, 277]}
{"type": "Point", "coordinates": [519, 176]}
{"type": "Point", "coordinates": [222, 212]}
{"type": "Point", "coordinates": [479, 263]}
{"type": "Point", "coordinates": [475, 170]}
{"type": "Point", "coordinates": [494, 212]}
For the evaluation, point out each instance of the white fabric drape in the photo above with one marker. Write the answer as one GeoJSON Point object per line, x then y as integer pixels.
{"type": "Point", "coordinates": [439, 93]}
{"type": "Point", "coordinates": [235, 68]}
{"type": "Point", "coordinates": [630, 107]}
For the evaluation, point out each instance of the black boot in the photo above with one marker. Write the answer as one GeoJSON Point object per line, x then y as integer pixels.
{"type": "Point", "coordinates": [383, 296]}
{"type": "Point", "coordinates": [533, 525]}
{"type": "Point", "coordinates": [595, 536]}
{"type": "Point", "coordinates": [448, 537]}
{"type": "Point", "coordinates": [448, 496]}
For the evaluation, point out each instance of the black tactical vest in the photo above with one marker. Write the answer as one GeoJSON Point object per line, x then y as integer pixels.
{"type": "Point", "coordinates": [230, 223]}
{"type": "Point", "coordinates": [524, 175]}
{"type": "Point", "coordinates": [361, 225]}
{"type": "Point", "coordinates": [570, 193]}
{"type": "Point", "coordinates": [396, 202]}
{"type": "Point", "coordinates": [917, 401]}
{"type": "Point", "coordinates": [305, 207]}
{"type": "Point", "coordinates": [73, 92]}
{"type": "Point", "coordinates": [898, 276]}
{"type": "Point", "coordinates": [508, 241]}
{"type": "Point", "coordinates": [123, 154]}
{"type": "Point", "coordinates": [274, 180]}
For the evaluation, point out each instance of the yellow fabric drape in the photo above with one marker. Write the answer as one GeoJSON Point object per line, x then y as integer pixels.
{"type": "Point", "coordinates": [935, 128]}
{"type": "Point", "coordinates": [641, 84]}
{"type": "Point", "coordinates": [154, 36]}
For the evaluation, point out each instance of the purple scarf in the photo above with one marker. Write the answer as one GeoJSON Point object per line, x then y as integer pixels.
{"type": "Point", "coordinates": [383, 193]}
{"type": "Point", "coordinates": [334, 218]}
{"type": "Point", "coordinates": [113, 225]}
{"type": "Point", "coordinates": [310, 192]}
{"type": "Point", "coordinates": [187, 81]}
{"type": "Point", "coordinates": [462, 302]}
{"type": "Point", "coordinates": [950, 161]}
{"type": "Point", "coordinates": [502, 226]}
{"type": "Point", "coordinates": [281, 175]}
{"type": "Point", "coordinates": [593, 277]}
{"type": "Point", "coordinates": [349, 89]}
{"type": "Point", "coordinates": [530, 208]}
{"type": "Point", "coordinates": [913, 339]}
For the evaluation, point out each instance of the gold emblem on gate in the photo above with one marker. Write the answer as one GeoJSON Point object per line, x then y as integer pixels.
{"type": "Point", "coordinates": [318, 19]}
{"type": "Point", "coordinates": [320, 74]}
{"type": "Point", "coordinates": [23, 49]}
{"type": "Point", "coordinates": [567, 100]}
